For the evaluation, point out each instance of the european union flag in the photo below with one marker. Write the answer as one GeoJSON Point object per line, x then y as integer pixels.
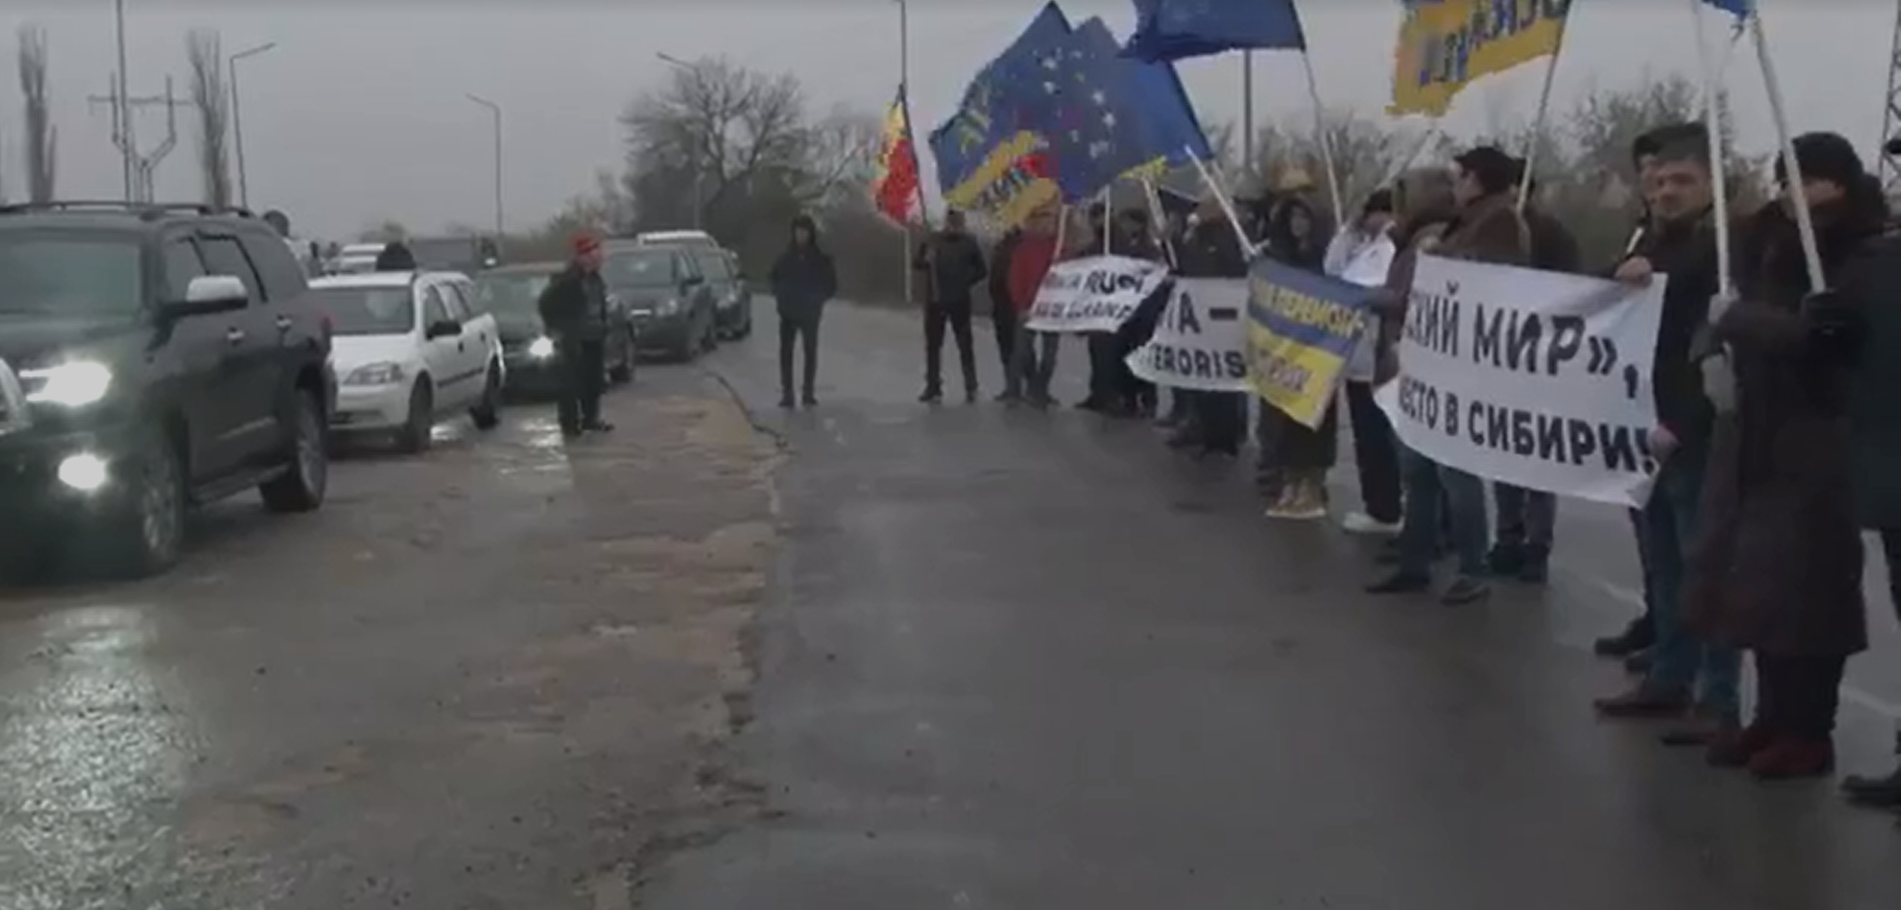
{"type": "Point", "coordinates": [987, 118]}
{"type": "Point", "coordinates": [1178, 29]}
{"type": "Point", "coordinates": [1084, 100]}
{"type": "Point", "coordinates": [1169, 125]}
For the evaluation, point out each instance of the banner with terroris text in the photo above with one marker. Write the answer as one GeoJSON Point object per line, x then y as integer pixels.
{"type": "Point", "coordinates": [1536, 379]}
{"type": "Point", "coordinates": [1094, 294]}
{"type": "Point", "coordinates": [1201, 342]}
{"type": "Point", "coordinates": [1301, 331]}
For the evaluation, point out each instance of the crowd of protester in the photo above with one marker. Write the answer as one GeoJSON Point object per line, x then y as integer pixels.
{"type": "Point", "coordinates": [1776, 429]}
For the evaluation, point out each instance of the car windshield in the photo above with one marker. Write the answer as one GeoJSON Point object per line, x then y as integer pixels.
{"type": "Point", "coordinates": [70, 274]}
{"type": "Point", "coordinates": [639, 269]}
{"type": "Point", "coordinates": [514, 295]}
{"type": "Point", "coordinates": [367, 310]}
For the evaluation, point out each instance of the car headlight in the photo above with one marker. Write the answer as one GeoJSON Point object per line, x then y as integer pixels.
{"type": "Point", "coordinates": [75, 384]}
{"type": "Point", "coordinates": [376, 374]}
{"type": "Point", "coordinates": [541, 348]}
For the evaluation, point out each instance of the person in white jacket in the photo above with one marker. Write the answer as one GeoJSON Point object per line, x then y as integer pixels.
{"type": "Point", "coordinates": [1362, 253]}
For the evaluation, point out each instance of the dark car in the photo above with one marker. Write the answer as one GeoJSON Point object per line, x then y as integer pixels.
{"type": "Point", "coordinates": [512, 294]}
{"type": "Point", "coordinates": [467, 255]}
{"type": "Point", "coordinates": [672, 306]}
{"type": "Point", "coordinates": [732, 295]}
{"type": "Point", "coordinates": [152, 358]}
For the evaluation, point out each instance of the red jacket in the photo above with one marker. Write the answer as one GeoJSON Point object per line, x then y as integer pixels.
{"type": "Point", "coordinates": [1028, 264]}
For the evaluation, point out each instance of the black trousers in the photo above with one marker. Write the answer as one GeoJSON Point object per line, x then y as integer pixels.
{"type": "Point", "coordinates": [1221, 419]}
{"type": "Point", "coordinates": [792, 331]}
{"type": "Point", "coordinates": [1003, 321]}
{"type": "Point", "coordinates": [1798, 696]}
{"type": "Point", "coordinates": [956, 316]}
{"type": "Point", "coordinates": [583, 377]}
{"type": "Point", "coordinates": [1891, 548]}
{"type": "Point", "coordinates": [1375, 453]}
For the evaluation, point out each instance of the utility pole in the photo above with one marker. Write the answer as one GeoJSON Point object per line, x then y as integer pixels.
{"type": "Point", "coordinates": [121, 112]}
{"type": "Point", "coordinates": [695, 152]}
{"type": "Point", "coordinates": [237, 122]}
{"type": "Point", "coordinates": [1889, 167]}
{"type": "Point", "coordinates": [141, 168]}
{"type": "Point", "coordinates": [495, 110]}
{"type": "Point", "coordinates": [1247, 116]}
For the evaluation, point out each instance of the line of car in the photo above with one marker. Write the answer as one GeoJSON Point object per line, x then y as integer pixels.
{"type": "Point", "coordinates": [158, 357]}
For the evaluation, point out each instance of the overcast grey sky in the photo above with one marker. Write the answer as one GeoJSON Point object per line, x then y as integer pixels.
{"type": "Point", "coordinates": [359, 114]}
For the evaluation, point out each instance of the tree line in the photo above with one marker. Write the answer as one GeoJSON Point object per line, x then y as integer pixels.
{"type": "Point", "coordinates": [739, 152]}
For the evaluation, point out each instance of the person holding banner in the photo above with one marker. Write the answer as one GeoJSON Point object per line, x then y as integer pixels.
{"type": "Point", "coordinates": [1363, 253]}
{"type": "Point", "coordinates": [1032, 354]}
{"type": "Point", "coordinates": [1216, 422]}
{"type": "Point", "coordinates": [1489, 229]}
{"type": "Point", "coordinates": [1294, 458]}
{"type": "Point", "coordinates": [1778, 567]}
{"type": "Point", "coordinates": [1687, 671]}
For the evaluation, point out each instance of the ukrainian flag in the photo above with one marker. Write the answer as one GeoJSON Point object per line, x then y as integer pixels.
{"type": "Point", "coordinates": [1445, 45]}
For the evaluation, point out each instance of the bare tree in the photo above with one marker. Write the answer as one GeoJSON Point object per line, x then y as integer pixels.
{"type": "Point", "coordinates": [209, 95]}
{"type": "Point", "coordinates": [840, 156]}
{"type": "Point", "coordinates": [1366, 152]}
{"type": "Point", "coordinates": [41, 138]}
{"type": "Point", "coordinates": [719, 129]}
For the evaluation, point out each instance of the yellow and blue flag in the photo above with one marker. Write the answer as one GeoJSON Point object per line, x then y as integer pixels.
{"type": "Point", "coordinates": [1179, 29]}
{"type": "Point", "coordinates": [987, 161]}
{"type": "Point", "coordinates": [1445, 45]}
{"type": "Point", "coordinates": [1302, 330]}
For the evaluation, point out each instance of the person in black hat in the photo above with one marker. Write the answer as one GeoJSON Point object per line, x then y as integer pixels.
{"type": "Point", "coordinates": [1777, 569]}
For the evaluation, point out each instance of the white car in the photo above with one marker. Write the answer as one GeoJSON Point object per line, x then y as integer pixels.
{"type": "Point", "coordinates": [355, 259]}
{"type": "Point", "coordinates": [676, 238]}
{"type": "Point", "coordinates": [410, 350]}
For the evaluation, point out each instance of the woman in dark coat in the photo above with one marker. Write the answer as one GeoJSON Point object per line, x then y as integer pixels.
{"type": "Point", "coordinates": [1778, 570]}
{"type": "Point", "coordinates": [803, 279]}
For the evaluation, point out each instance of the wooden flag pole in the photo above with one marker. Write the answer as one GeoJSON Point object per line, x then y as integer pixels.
{"type": "Point", "coordinates": [1544, 110]}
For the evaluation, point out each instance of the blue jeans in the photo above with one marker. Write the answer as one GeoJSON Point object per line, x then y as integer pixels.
{"type": "Point", "coordinates": [1681, 661]}
{"type": "Point", "coordinates": [1428, 485]}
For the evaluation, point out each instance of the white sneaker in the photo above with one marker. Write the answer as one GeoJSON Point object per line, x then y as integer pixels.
{"type": "Point", "coordinates": [1362, 523]}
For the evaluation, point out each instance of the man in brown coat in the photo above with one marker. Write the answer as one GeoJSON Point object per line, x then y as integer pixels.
{"type": "Point", "coordinates": [1487, 228]}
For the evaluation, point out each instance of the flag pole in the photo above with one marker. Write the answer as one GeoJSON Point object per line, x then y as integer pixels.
{"type": "Point", "coordinates": [1227, 204]}
{"type": "Point", "coordinates": [1544, 110]}
{"type": "Point", "coordinates": [1804, 220]}
{"type": "Point", "coordinates": [1326, 139]}
{"type": "Point", "coordinates": [1158, 217]}
{"type": "Point", "coordinates": [1713, 109]}
{"type": "Point", "coordinates": [904, 92]}
{"type": "Point", "coordinates": [1247, 114]}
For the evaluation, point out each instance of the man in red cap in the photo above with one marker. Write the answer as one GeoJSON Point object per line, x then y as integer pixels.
{"type": "Point", "coordinates": [574, 313]}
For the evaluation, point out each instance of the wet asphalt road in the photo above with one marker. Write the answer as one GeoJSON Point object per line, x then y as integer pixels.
{"type": "Point", "coordinates": [1033, 661]}
{"type": "Point", "coordinates": [492, 676]}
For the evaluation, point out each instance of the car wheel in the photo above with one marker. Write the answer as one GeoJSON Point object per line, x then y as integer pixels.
{"type": "Point", "coordinates": [623, 369]}
{"type": "Point", "coordinates": [148, 526]}
{"type": "Point", "coordinates": [415, 435]}
{"type": "Point", "coordinates": [487, 413]}
{"type": "Point", "coordinates": [302, 486]}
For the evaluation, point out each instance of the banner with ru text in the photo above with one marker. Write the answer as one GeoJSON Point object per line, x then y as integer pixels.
{"type": "Point", "coordinates": [1302, 329]}
{"type": "Point", "coordinates": [1094, 294]}
{"type": "Point", "coordinates": [1536, 379]}
{"type": "Point", "coordinates": [1201, 341]}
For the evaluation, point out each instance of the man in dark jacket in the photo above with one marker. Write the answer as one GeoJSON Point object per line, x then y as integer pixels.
{"type": "Point", "coordinates": [396, 257]}
{"type": "Point", "coordinates": [1685, 670]}
{"type": "Point", "coordinates": [953, 265]}
{"type": "Point", "coordinates": [1521, 545]}
{"type": "Point", "coordinates": [1003, 310]}
{"type": "Point", "coordinates": [574, 312]}
{"type": "Point", "coordinates": [803, 279]}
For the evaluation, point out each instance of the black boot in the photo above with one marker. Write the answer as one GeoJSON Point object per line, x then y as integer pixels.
{"type": "Point", "coordinates": [1637, 636]}
{"type": "Point", "coordinates": [1880, 792]}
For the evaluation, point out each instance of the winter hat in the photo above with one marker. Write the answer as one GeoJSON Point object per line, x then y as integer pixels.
{"type": "Point", "coordinates": [1494, 168]}
{"type": "Point", "coordinates": [1825, 156]}
{"type": "Point", "coordinates": [1379, 203]}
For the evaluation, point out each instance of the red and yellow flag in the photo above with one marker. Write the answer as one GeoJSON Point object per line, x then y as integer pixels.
{"type": "Point", "coordinates": [894, 188]}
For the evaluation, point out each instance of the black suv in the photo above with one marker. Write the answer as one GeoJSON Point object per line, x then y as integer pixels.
{"type": "Point", "coordinates": [152, 357]}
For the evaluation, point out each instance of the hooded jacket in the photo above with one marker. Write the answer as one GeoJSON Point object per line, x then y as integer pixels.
{"type": "Point", "coordinates": [803, 277]}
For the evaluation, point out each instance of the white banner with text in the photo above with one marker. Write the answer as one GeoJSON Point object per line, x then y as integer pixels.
{"type": "Point", "coordinates": [1096, 294]}
{"type": "Point", "coordinates": [1201, 341]}
{"type": "Point", "coordinates": [1536, 379]}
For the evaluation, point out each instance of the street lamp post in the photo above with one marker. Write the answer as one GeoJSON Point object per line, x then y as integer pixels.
{"type": "Point", "coordinates": [495, 110]}
{"type": "Point", "coordinates": [694, 151]}
{"type": "Point", "coordinates": [237, 118]}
